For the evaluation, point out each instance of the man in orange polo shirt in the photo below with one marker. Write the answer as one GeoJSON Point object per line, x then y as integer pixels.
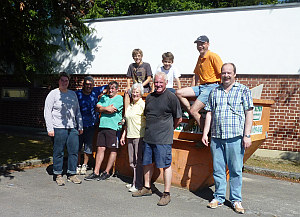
{"type": "Point", "coordinates": [208, 73]}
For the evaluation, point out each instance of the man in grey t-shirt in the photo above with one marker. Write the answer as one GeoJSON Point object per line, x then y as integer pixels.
{"type": "Point", "coordinates": [163, 115]}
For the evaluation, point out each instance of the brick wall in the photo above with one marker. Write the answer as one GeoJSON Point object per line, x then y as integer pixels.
{"type": "Point", "coordinates": [284, 132]}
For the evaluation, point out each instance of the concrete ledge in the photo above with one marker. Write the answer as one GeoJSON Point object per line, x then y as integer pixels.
{"type": "Point", "coordinates": [270, 172]}
{"type": "Point", "coordinates": [284, 155]}
{"type": "Point", "coordinates": [19, 166]}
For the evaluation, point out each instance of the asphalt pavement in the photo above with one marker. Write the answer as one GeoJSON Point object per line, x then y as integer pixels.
{"type": "Point", "coordinates": [32, 192]}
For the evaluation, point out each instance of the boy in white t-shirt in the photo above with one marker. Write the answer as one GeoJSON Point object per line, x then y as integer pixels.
{"type": "Point", "coordinates": [171, 71]}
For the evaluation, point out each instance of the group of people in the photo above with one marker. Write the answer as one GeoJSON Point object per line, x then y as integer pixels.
{"type": "Point", "coordinates": [149, 125]}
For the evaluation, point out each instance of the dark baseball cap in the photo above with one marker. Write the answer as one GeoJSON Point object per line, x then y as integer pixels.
{"type": "Point", "coordinates": [202, 38]}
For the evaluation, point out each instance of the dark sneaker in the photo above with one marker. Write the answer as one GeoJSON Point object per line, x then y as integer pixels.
{"type": "Point", "coordinates": [164, 200]}
{"type": "Point", "coordinates": [142, 192]}
{"type": "Point", "coordinates": [103, 176]}
{"type": "Point", "coordinates": [92, 176]}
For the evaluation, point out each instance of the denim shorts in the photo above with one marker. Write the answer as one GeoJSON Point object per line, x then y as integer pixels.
{"type": "Point", "coordinates": [87, 138]}
{"type": "Point", "coordinates": [202, 92]}
{"type": "Point", "coordinates": [160, 154]}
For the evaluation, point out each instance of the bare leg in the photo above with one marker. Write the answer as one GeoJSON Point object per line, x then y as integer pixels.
{"type": "Point", "coordinates": [148, 171]}
{"type": "Point", "coordinates": [86, 158]}
{"type": "Point", "coordinates": [182, 94]}
{"type": "Point", "coordinates": [196, 107]}
{"type": "Point", "coordinates": [99, 159]}
{"type": "Point", "coordinates": [111, 160]}
{"type": "Point", "coordinates": [167, 178]}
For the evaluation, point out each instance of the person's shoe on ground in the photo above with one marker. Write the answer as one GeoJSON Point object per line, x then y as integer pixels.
{"type": "Point", "coordinates": [83, 169]}
{"type": "Point", "coordinates": [78, 170]}
{"type": "Point", "coordinates": [92, 176]}
{"type": "Point", "coordinates": [142, 192]}
{"type": "Point", "coordinates": [133, 189]}
{"type": "Point", "coordinates": [74, 179]}
{"type": "Point", "coordinates": [103, 176]}
{"type": "Point", "coordinates": [237, 206]}
{"type": "Point", "coordinates": [59, 180]}
{"type": "Point", "coordinates": [214, 204]}
{"type": "Point", "coordinates": [164, 200]}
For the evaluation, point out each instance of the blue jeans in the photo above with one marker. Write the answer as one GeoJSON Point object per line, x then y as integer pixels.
{"type": "Point", "coordinates": [62, 137]}
{"type": "Point", "coordinates": [228, 152]}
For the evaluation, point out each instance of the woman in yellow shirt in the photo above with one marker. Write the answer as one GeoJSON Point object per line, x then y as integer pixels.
{"type": "Point", "coordinates": [134, 131]}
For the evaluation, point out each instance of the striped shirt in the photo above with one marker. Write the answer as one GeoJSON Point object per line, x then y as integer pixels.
{"type": "Point", "coordinates": [228, 110]}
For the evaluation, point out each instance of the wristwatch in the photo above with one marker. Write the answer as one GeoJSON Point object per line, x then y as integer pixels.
{"type": "Point", "coordinates": [248, 136]}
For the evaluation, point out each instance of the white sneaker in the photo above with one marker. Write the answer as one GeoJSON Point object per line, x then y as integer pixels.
{"type": "Point", "coordinates": [237, 206]}
{"type": "Point", "coordinates": [78, 170]}
{"type": "Point", "coordinates": [133, 189]}
{"type": "Point", "coordinates": [83, 169]}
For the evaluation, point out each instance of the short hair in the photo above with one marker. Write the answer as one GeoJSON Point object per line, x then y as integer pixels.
{"type": "Point", "coordinates": [137, 51]}
{"type": "Point", "coordinates": [114, 83]}
{"type": "Point", "coordinates": [234, 68]}
{"type": "Point", "coordinates": [63, 74]}
{"type": "Point", "coordinates": [137, 86]}
{"type": "Point", "coordinates": [88, 78]}
{"type": "Point", "coordinates": [164, 75]}
{"type": "Point", "coordinates": [168, 55]}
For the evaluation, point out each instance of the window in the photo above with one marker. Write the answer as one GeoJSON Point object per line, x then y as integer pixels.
{"type": "Point", "coordinates": [14, 93]}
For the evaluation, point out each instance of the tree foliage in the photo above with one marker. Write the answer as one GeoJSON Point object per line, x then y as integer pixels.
{"type": "Point", "coordinates": [112, 8]}
{"type": "Point", "coordinates": [27, 37]}
{"type": "Point", "coordinates": [27, 32]}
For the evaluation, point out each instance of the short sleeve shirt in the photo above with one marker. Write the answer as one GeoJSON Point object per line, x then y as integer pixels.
{"type": "Point", "coordinates": [111, 121]}
{"type": "Point", "coordinates": [171, 74]}
{"type": "Point", "coordinates": [160, 111]}
{"type": "Point", "coordinates": [140, 73]}
{"type": "Point", "coordinates": [228, 110]}
{"type": "Point", "coordinates": [87, 105]}
{"type": "Point", "coordinates": [135, 119]}
{"type": "Point", "coordinates": [208, 68]}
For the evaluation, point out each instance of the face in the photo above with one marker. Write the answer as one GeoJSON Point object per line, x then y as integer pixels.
{"type": "Point", "coordinates": [159, 84]}
{"type": "Point", "coordinates": [167, 63]}
{"type": "Point", "coordinates": [88, 87]}
{"type": "Point", "coordinates": [137, 58]}
{"type": "Point", "coordinates": [136, 94]}
{"type": "Point", "coordinates": [227, 75]}
{"type": "Point", "coordinates": [112, 90]}
{"type": "Point", "coordinates": [63, 83]}
{"type": "Point", "coordinates": [202, 47]}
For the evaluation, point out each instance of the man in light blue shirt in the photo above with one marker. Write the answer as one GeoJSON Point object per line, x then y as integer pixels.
{"type": "Point", "coordinates": [229, 116]}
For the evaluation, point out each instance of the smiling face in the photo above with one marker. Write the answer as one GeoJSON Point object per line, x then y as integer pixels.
{"type": "Point", "coordinates": [160, 84]}
{"type": "Point", "coordinates": [137, 57]}
{"type": "Point", "coordinates": [202, 47]}
{"type": "Point", "coordinates": [228, 75]}
{"type": "Point", "coordinates": [136, 95]}
{"type": "Point", "coordinates": [112, 90]}
{"type": "Point", "coordinates": [63, 83]}
{"type": "Point", "coordinates": [167, 63]}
